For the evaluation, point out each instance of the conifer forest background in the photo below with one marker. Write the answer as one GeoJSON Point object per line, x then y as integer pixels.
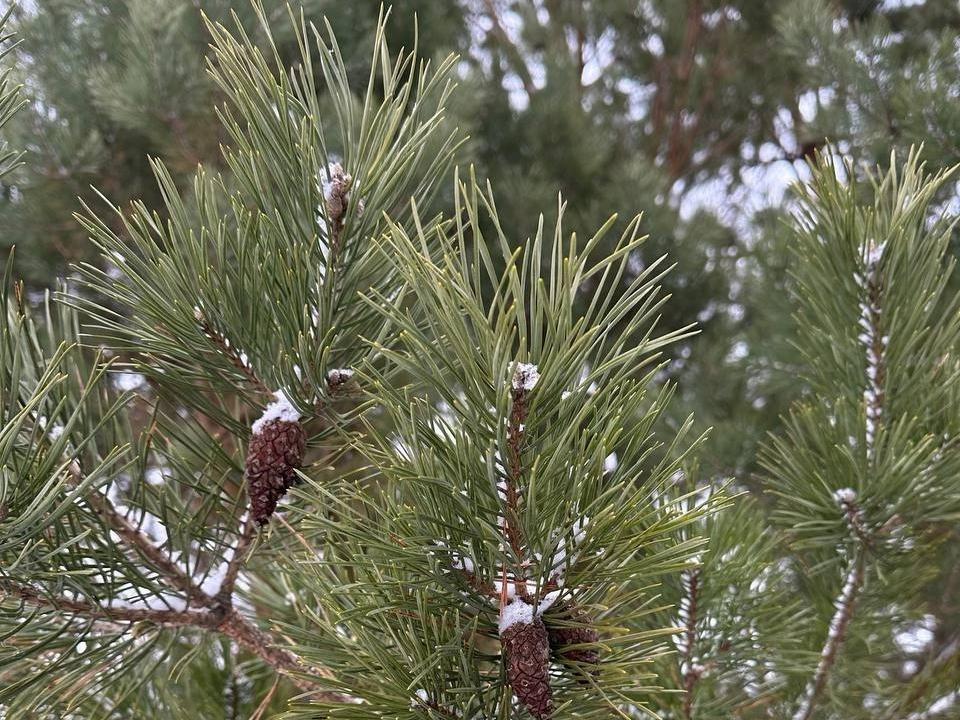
{"type": "Point", "coordinates": [705, 116]}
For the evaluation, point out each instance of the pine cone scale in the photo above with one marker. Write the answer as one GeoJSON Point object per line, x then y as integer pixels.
{"type": "Point", "coordinates": [575, 643]}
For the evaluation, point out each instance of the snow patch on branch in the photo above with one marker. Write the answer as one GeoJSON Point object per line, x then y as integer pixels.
{"type": "Point", "coordinates": [565, 551]}
{"type": "Point", "coordinates": [54, 432]}
{"type": "Point", "coordinates": [843, 605]}
{"type": "Point", "coordinates": [525, 376]}
{"type": "Point", "coordinates": [845, 496]}
{"type": "Point", "coordinates": [519, 612]}
{"type": "Point", "coordinates": [280, 409]}
{"type": "Point", "coordinates": [464, 563]}
{"type": "Point", "coordinates": [838, 626]}
{"type": "Point", "coordinates": [338, 376]}
{"type": "Point", "coordinates": [420, 697]}
{"type": "Point", "coordinates": [939, 707]}
{"type": "Point", "coordinates": [916, 638]}
{"type": "Point", "coordinates": [873, 253]}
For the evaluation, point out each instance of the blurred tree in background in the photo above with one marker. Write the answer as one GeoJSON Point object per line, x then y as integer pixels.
{"type": "Point", "coordinates": [695, 111]}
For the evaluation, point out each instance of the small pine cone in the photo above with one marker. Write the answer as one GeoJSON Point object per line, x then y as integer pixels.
{"type": "Point", "coordinates": [527, 650]}
{"type": "Point", "coordinates": [570, 625]}
{"type": "Point", "coordinates": [273, 457]}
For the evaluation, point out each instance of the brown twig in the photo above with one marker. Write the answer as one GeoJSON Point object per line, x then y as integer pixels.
{"type": "Point", "coordinates": [244, 541]}
{"type": "Point", "coordinates": [136, 540]}
{"type": "Point", "coordinates": [845, 605]}
{"type": "Point", "coordinates": [86, 609]}
{"type": "Point", "coordinates": [230, 352]}
{"type": "Point", "coordinates": [253, 639]}
{"type": "Point", "coordinates": [227, 622]}
{"type": "Point", "coordinates": [220, 615]}
{"type": "Point", "coordinates": [515, 433]}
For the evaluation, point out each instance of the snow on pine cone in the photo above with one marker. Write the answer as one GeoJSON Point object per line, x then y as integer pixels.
{"type": "Point", "coordinates": [569, 626]}
{"type": "Point", "coordinates": [526, 647]}
{"type": "Point", "coordinates": [274, 454]}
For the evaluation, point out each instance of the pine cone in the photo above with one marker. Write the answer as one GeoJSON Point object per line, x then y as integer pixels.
{"type": "Point", "coordinates": [527, 650]}
{"type": "Point", "coordinates": [575, 628]}
{"type": "Point", "coordinates": [273, 456]}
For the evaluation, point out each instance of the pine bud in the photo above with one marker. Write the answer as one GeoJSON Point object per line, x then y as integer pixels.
{"type": "Point", "coordinates": [526, 648]}
{"type": "Point", "coordinates": [570, 627]}
{"type": "Point", "coordinates": [336, 193]}
{"type": "Point", "coordinates": [341, 382]}
{"type": "Point", "coordinates": [274, 454]}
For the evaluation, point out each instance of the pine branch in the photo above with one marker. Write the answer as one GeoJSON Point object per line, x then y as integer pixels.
{"type": "Point", "coordinates": [137, 541]}
{"type": "Point", "coordinates": [874, 341]}
{"type": "Point", "coordinates": [239, 361]}
{"type": "Point", "coordinates": [251, 638]}
{"type": "Point", "coordinates": [845, 605]}
{"type": "Point", "coordinates": [86, 609]}
{"type": "Point", "coordinates": [238, 559]}
{"type": "Point", "coordinates": [692, 674]}
{"type": "Point", "coordinates": [227, 622]}
{"type": "Point", "coordinates": [515, 433]}
{"type": "Point", "coordinates": [220, 617]}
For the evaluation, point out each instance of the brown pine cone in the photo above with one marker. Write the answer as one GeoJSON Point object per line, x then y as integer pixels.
{"type": "Point", "coordinates": [526, 648]}
{"type": "Point", "coordinates": [569, 625]}
{"type": "Point", "coordinates": [273, 457]}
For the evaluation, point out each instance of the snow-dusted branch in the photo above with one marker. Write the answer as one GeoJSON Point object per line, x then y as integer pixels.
{"type": "Point", "coordinates": [110, 615]}
{"type": "Point", "coordinates": [844, 605]}
{"type": "Point", "coordinates": [237, 357]}
{"type": "Point", "coordinates": [874, 341]}
{"type": "Point", "coordinates": [227, 622]}
{"type": "Point", "coordinates": [237, 560]}
{"type": "Point", "coordinates": [218, 615]}
{"type": "Point", "coordinates": [524, 380]}
{"type": "Point", "coordinates": [688, 611]}
{"type": "Point", "coordinates": [136, 540]}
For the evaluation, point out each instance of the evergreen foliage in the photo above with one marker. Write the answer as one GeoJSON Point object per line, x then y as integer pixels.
{"type": "Point", "coordinates": [489, 501]}
{"type": "Point", "coordinates": [691, 112]}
